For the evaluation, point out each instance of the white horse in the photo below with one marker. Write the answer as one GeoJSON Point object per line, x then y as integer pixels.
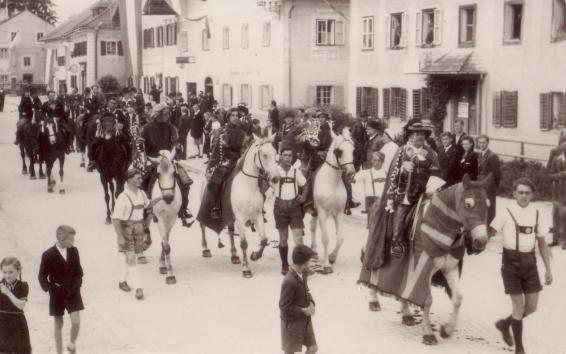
{"type": "Point", "coordinates": [246, 198]}
{"type": "Point", "coordinates": [166, 210]}
{"type": "Point", "coordinates": [329, 193]}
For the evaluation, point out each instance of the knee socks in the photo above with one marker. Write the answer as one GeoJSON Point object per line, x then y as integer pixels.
{"type": "Point", "coordinates": [134, 277]}
{"type": "Point", "coordinates": [283, 253]}
{"type": "Point", "coordinates": [125, 273]}
{"type": "Point", "coordinates": [517, 327]}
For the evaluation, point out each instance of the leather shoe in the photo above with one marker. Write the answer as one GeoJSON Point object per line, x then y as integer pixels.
{"type": "Point", "coordinates": [124, 286]}
{"type": "Point", "coordinates": [139, 294]}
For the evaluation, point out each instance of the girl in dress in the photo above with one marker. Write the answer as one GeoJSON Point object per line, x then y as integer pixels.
{"type": "Point", "coordinates": [14, 333]}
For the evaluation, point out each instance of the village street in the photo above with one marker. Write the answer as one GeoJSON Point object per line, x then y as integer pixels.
{"type": "Point", "coordinates": [212, 308]}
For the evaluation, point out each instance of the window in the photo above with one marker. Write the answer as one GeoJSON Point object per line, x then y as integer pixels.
{"type": "Point", "coordinates": [552, 110]}
{"type": "Point", "coordinates": [171, 34]}
{"type": "Point", "coordinates": [227, 95]}
{"type": "Point", "coordinates": [505, 108]}
{"type": "Point", "coordinates": [367, 33]}
{"type": "Point", "coordinates": [74, 81]}
{"type": "Point", "coordinates": [79, 50]}
{"type": "Point", "coordinates": [27, 61]}
{"type": "Point", "coordinates": [422, 104]}
{"type": "Point", "coordinates": [38, 36]}
{"type": "Point", "coordinates": [467, 36]}
{"type": "Point", "coordinates": [323, 95]}
{"type": "Point", "coordinates": [60, 61]}
{"type": "Point", "coordinates": [13, 35]}
{"type": "Point", "coordinates": [246, 94]}
{"type": "Point", "coordinates": [395, 103]}
{"type": "Point", "coordinates": [395, 31]}
{"type": "Point", "coordinates": [205, 40]}
{"type": "Point", "coordinates": [28, 78]}
{"type": "Point", "coordinates": [558, 20]}
{"type": "Point", "coordinates": [429, 30]}
{"type": "Point", "coordinates": [3, 53]}
{"type": "Point", "coordinates": [265, 97]}
{"type": "Point", "coordinates": [111, 48]}
{"type": "Point", "coordinates": [329, 32]}
{"type": "Point", "coordinates": [4, 79]}
{"type": "Point", "coordinates": [225, 38]}
{"type": "Point", "coordinates": [160, 36]}
{"type": "Point", "coordinates": [367, 101]}
{"type": "Point", "coordinates": [184, 41]}
{"type": "Point", "coordinates": [151, 41]}
{"type": "Point", "coordinates": [148, 39]}
{"type": "Point", "coordinates": [513, 21]}
{"type": "Point", "coordinates": [245, 36]}
{"type": "Point", "coordinates": [266, 34]}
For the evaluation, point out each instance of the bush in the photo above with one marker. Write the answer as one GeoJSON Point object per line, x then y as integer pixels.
{"type": "Point", "coordinates": [109, 84]}
{"type": "Point", "coordinates": [534, 170]}
{"type": "Point", "coordinates": [335, 112]}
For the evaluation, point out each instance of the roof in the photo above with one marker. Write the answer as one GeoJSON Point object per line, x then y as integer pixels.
{"type": "Point", "coordinates": [455, 64]}
{"type": "Point", "coordinates": [18, 14]}
{"type": "Point", "coordinates": [84, 20]}
{"type": "Point", "coordinates": [159, 7]}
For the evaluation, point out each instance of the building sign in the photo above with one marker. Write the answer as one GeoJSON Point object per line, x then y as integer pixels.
{"type": "Point", "coordinates": [463, 109]}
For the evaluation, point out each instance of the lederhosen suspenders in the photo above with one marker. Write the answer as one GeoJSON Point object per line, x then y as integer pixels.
{"type": "Point", "coordinates": [523, 229]}
{"type": "Point", "coordinates": [288, 180]}
{"type": "Point", "coordinates": [374, 180]}
{"type": "Point", "coordinates": [133, 206]}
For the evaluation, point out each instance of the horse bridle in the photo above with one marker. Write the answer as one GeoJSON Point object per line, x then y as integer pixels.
{"type": "Point", "coordinates": [340, 165]}
{"type": "Point", "coordinates": [257, 157]}
{"type": "Point", "coordinates": [174, 179]}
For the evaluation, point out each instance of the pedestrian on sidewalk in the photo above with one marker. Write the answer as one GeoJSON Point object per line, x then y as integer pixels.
{"type": "Point", "coordinates": [287, 208]}
{"type": "Point", "coordinates": [14, 332]}
{"type": "Point", "coordinates": [297, 305]}
{"type": "Point", "coordinates": [131, 223]}
{"type": "Point", "coordinates": [489, 164]}
{"type": "Point", "coordinates": [197, 131]}
{"type": "Point", "coordinates": [521, 229]}
{"type": "Point", "coordinates": [61, 274]}
{"type": "Point", "coordinates": [373, 180]}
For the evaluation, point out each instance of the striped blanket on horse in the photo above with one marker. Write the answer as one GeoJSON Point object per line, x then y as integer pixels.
{"type": "Point", "coordinates": [437, 226]}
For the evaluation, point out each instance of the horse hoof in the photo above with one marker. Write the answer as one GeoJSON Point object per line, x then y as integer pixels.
{"type": "Point", "coordinates": [444, 333]}
{"type": "Point", "coordinates": [374, 306]}
{"type": "Point", "coordinates": [255, 256]}
{"type": "Point", "coordinates": [220, 244]}
{"type": "Point", "coordinates": [61, 191]}
{"type": "Point", "coordinates": [408, 320]}
{"type": "Point", "coordinates": [429, 339]}
{"type": "Point", "coordinates": [162, 270]}
{"type": "Point", "coordinates": [236, 260]}
{"type": "Point", "coordinates": [332, 258]}
{"type": "Point", "coordinates": [206, 253]}
{"type": "Point", "coordinates": [247, 274]}
{"type": "Point", "coordinates": [170, 280]}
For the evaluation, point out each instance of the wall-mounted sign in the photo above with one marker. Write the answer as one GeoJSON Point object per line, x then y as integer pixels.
{"type": "Point", "coordinates": [463, 109]}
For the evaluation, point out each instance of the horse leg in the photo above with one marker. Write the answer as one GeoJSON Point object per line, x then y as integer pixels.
{"type": "Point", "coordinates": [112, 191]}
{"type": "Point", "coordinates": [235, 259]}
{"type": "Point", "coordinates": [40, 162]}
{"type": "Point", "coordinates": [339, 224]}
{"type": "Point", "coordinates": [322, 221]}
{"type": "Point", "coordinates": [428, 337]}
{"type": "Point", "coordinates": [261, 231]}
{"type": "Point", "coordinates": [106, 198]}
{"type": "Point", "coordinates": [61, 172]}
{"type": "Point", "coordinates": [23, 156]}
{"type": "Point", "coordinates": [205, 250]}
{"type": "Point", "coordinates": [48, 171]}
{"type": "Point", "coordinates": [452, 278]}
{"type": "Point", "coordinates": [31, 165]}
{"type": "Point", "coordinates": [314, 220]}
{"type": "Point", "coordinates": [166, 246]}
{"type": "Point", "coordinates": [246, 272]}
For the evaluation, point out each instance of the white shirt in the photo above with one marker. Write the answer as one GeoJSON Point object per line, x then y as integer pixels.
{"type": "Point", "coordinates": [389, 150]}
{"type": "Point", "coordinates": [525, 217]}
{"type": "Point", "coordinates": [289, 190]}
{"type": "Point", "coordinates": [63, 251]}
{"type": "Point", "coordinates": [123, 208]}
{"type": "Point", "coordinates": [373, 180]}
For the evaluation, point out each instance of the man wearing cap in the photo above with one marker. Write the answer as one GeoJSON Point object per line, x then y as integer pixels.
{"type": "Point", "coordinates": [374, 131]}
{"type": "Point", "coordinates": [360, 137]}
{"type": "Point", "coordinates": [132, 228]}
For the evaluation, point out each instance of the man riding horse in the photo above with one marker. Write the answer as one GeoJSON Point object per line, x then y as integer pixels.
{"type": "Point", "coordinates": [159, 135]}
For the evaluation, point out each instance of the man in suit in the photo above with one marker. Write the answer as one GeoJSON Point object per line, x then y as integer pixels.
{"type": "Point", "coordinates": [448, 159]}
{"type": "Point", "coordinates": [61, 274]}
{"type": "Point", "coordinates": [274, 115]}
{"type": "Point", "coordinates": [459, 134]}
{"type": "Point", "coordinates": [374, 130]}
{"type": "Point", "coordinates": [119, 116]}
{"type": "Point", "coordinates": [360, 137]}
{"type": "Point", "coordinates": [489, 163]}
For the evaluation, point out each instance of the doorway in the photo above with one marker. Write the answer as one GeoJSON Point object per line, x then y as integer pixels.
{"type": "Point", "coordinates": [208, 86]}
{"type": "Point", "coordinates": [191, 89]}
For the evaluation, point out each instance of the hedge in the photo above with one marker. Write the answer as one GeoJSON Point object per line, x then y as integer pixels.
{"type": "Point", "coordinates": [534, 170]}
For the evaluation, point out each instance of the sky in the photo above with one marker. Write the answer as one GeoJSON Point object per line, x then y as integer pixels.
{"type": "Point", "coordinates": [66, 8]}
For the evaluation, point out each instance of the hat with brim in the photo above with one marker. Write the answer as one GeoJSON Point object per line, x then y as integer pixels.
{"type": "Point", "coordinates": [416, 126]}
{"type": "Point", "coordinates": [375, 124]}
{"type": "Point", "coordinates": [107, 117]}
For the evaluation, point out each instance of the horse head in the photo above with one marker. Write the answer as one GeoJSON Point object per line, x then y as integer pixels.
{"type": "Point", "coordinates": [166, 173]}
{"type": "Point", "coordinates": [472, 209]}
{"type": "Point", "coordinates": [341, 152]}
{"type": "Point", "coordinates": [265, 158]}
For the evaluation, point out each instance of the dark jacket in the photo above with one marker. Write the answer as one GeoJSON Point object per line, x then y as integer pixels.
{"type": "Point", "coordinates": [57, 275]}
{"type": "Point", "coordinates": [26, 107]}
{"type": "Point", "coordinates": [557, 175]}
{"type": "Point", "coordinates": [185, 125]}
{"type": "Point", "coordinates": [448, 161]}
{"type": "Point", "coordinates": [274, 116]}
{"type": "Point", "coordinates": [373, 144]}
{"type": "Point", "coordinates": [295, 295]}
{"type": "Point", "coordinates": [325, 137]}
{"type": "Point", "coordinates": [489, 163]}
{"type": "Point", "coordinates": [159, 136]}
{"type": "Point", "coordinates": [469, 165]}
{"type": "Point", "coordinates": [197, 129]}
{"type": "Point", "coordinates": [155, 95]}
{"type": "Point", "coordinates": [360, 138]}
{"type": "Point", "coordinates": [58, 110]}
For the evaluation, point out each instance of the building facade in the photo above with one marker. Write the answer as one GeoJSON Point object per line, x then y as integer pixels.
{"type": "Point", "coordinates": [85, 48]}
{"type": "Point", "coordinates": [501, 64]}
{"type": "Point", "coordinates": [294, 52]}
{"type": "Point", "coordinates": [22, 58]}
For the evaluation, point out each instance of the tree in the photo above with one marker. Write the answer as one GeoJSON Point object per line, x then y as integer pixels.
{"type": "Point", "coordinates": [109, 84]}
{"type": "Point", "coordinates": [41, 8]}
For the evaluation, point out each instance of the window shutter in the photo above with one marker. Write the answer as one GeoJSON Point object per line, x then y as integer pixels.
{"type": "Point", "coordinates": [386, 103]}
{"type": "Point", "coordinates": [338, 94]}
{"type": "Point", "coordinates": [387, 32]}
{"type": "Point", "coordinates": [340, 33]}
{"type": "Point", "coordinates": [403, 108]}
{"type": "Point", "coordinates": [374, 100]}
{"type": "Point", "coordinates": [102, 48]}
{"type": "Point", "coordinates": [175, 34]}
{"type": "Point", "coordinates": [562, 109]}
{"type": "Point", "coordinates": [545, 111]}
{"type": "Point", "coordinates": [497, 120]}
{"type": "Point", "coordinates": [509, 106]}
{"type": "Point", "coordinates": [145, 37]}
{"type": "Point", "coordinates": [120, 49]}
{"type": "Point", "coordinates": [418, 32]}
{"type": "Point", "coordinates": [404, 30]}
{"type": "Point", "coordinates": [358, 101]}
{"type": "Point", "coordinates": [417, 106]}
{"type": "Point", "coordinates": [437, 27]}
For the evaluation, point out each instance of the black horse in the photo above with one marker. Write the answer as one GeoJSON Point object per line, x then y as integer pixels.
{"type": "Point", "coordinates": [112, 155]}
{"type": "Point", "coordinates": [28, 144]}
{"type": "Point", "coordinates": [53, 142]}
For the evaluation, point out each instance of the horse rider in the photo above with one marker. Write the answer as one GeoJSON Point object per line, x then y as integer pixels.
{"type": "Point", "coordinates": [226, 150]}
{"type": "Point", "coordinates": [25, 109]}
{"type": "Point", "coordinates": [91, 109]}
{"type": "Point", "coordinates": [159, 135]}
{"type": "Point", "coordinates": [414, 164]}
{"type": "Point", "coordinates": [53, 107]}
{"type": "Point", "coordinates": [119, 117]}
{"type": "Point", "coordinates": [74, 102]}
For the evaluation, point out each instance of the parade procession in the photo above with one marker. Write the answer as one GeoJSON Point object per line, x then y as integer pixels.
{"type": "Point", "coordinates": [334, 176]}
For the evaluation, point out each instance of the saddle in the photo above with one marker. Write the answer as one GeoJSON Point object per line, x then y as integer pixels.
{"type": "Point", "coordinates": [400, 247]}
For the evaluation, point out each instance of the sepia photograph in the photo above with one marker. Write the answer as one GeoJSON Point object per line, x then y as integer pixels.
{"type": "Point", "coordinates": [282, 176]}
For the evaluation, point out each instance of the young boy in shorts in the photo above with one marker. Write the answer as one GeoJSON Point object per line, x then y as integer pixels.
{"type": "Point", "coordinates": [520, 229]}
{"type": "Point", "coordinates": [297, 305]}
{"type": "Point", "coordinates": [373, 180]}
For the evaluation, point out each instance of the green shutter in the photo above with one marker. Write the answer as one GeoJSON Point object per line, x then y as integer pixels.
{"type": "Point", "coordinates": [546, 111]}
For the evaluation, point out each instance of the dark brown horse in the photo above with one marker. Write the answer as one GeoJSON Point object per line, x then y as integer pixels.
{"type": "Point", "coordinates": [53, 141]}
{"type": "Point", "coordinates": [28, 144]}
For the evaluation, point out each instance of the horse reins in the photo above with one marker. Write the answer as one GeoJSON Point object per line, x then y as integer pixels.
{"type": "Point", "coordinates": [340, 165]}
{"type": "Point", "coordinates": [174, 180]}
{"type": "Point", "coordinates": [256, 157]}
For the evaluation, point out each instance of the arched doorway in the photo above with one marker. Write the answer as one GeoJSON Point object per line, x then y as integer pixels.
{"type": "Point", "coordinates": [208, 86]}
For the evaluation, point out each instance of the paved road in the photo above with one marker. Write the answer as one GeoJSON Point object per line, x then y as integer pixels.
{"type": "Point", "coordinates": [213, 309]}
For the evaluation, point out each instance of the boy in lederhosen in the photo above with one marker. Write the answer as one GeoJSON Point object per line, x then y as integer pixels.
{"type": "Point", "coordinates": [373, 180]}
{"type": "Point", "coordinates": [131, 227]}
{"type": "Point", "coordinates": [519, 226]}
{"type": "Point", "coordinates": [287, 208]}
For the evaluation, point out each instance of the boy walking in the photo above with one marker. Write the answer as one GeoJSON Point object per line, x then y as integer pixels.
{"type": "Point", "coordinates": [297, 305]}
{"type": "Point", "coordinates": [519, 227]}
{"type": "Point", "coordinates": [373, 180]}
